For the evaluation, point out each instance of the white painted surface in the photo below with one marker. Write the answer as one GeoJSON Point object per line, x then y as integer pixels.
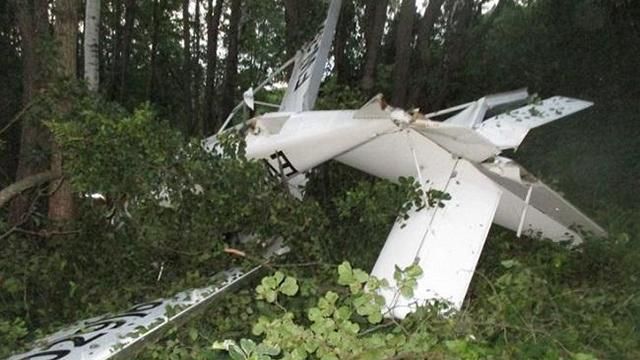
{"type": "Point", "coordinates": [446, 241]}
{"type": "Point", "coordinates": [310, 138]}
{"type": "Point", "coordinates": [508, 130]}
{"type": "Point", "coordinates": [548, 214]}
{"type": "Point", "coordinates": [310, 64]}
{"type": "Point", "coordinates": [106, 336]}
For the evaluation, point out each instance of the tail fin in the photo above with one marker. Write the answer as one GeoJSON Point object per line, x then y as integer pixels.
{"type": "Point", "coordinates": [309, 65]}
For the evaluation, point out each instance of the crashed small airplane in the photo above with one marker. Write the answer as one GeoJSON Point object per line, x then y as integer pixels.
{"type": "Point", "coordinates": [459, 156]}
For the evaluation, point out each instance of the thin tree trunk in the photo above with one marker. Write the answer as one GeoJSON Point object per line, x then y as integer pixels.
{"type": "Point", "coordinates": [158, 8]}
{"type": "Point", "coordinates": [231, 66]}
{"type": "Point", "coordinates": [92, 44]}
{"type": "Point", "coordinates": [61, 207]}
{"type": "Point", "coordinates": [459, 14]}
{"type": "Point", "coordinates": [346, 27]}
{"type": "Point", "coordinates": [197, 75]}
{"type": "Point", "coordinates": [292, 16]}
{"type": "Point", "coordinates": [404, 38]}
{"type": "Point", "coordinates": [116, 61]}
{"type": "Point", "coordinates": [423, 50]}
{"type": "Point", "coordinates": [33, 24]}
{"type": "Point", "coordinates": [376, 12]}
{"type": "Point", "coordinates": [127, 38]}
{"type": "Point", "coordinates": [213, 25]}
{"type": "Point", "coordinates": [187, 72]}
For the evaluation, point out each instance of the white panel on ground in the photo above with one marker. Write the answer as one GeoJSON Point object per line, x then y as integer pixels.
{"type": "Point", "coordinates": [116, 335]}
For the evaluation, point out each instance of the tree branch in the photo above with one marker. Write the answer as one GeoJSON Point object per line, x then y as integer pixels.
{"type": "Point", "coordinates": [19, 186]}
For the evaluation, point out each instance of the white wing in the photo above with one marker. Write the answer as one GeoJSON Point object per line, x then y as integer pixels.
{"type": "Point", "coordinates": [124, 333]}
{"type": "Point", "coordinates": [446, 242]}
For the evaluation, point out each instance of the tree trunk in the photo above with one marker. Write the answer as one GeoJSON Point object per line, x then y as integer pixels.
{"type": "Point", "coordinates": [423, 51]}
{"type": "Point", "coordinates": [92, 44]}
{"type": "Point", "coordinates": [158, 9]}
{"type": "Point", "coordinates": [459, 15]}
{"type": "Point", "coordinates": [213, 24]}
{"type": "Point", "coordinates": [231, 66]}
{"type": "Point", "coordinates": [33, 24]}
{"type": "Point", "coordinates": [186, 67]}
{"type": "Point", "coordinates": [198, 125]}
{"type": "Point", "coordinates": [404, 38]}
{"type": "Point", "coordinates": [376, 13]}
{"type": "Point", "coordinates": [66, 28]}
{"type": "Point", "coordinates": [346, 27]}
{"type": "Point", "coordinates": [292, 16]}
{"type": "Point", "coordinates": [116, 61]}
{"type": "Point", "coordinates": [127, 38]}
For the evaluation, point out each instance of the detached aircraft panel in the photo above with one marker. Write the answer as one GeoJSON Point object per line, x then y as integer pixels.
{"type": "Point", "coordinates": [121, 335]}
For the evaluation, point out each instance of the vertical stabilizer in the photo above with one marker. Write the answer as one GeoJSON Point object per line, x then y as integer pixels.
{"type": "Point", "coordinates": [310, 64]}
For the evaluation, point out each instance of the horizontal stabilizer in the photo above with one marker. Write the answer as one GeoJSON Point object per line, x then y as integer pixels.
{"type": "Point", "coordinates": [506, 131]}
{"type": "Point", "coordinates": [531, 207]}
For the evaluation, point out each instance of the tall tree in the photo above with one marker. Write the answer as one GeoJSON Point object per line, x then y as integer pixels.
{"type": "Point", "coordinates": [126, 42]}
{"type": "Point", "coordinates": [92, 44]}
{"type": "Point", "coordinates": [231, 65]}
{"type": "Point", "coordinates": [426, 27]}
{"type": "Point", "coordinates": [187, 73]}
{"type": "Point", "coordinates": [213, 25]}
{"type": "Point", "coordinates": [197, 73]}
{"type": "Point", "coordinates": [33, 24]}
{"type": "Point", "coordinates": [66, 28]}
{"type": "Point", "coordinates": [293, 17]}
{"type": "Point", "coordinates": [375, 17]}
{"type": "Point", "coordinates": [404, 39]}
{"type": "Point", "coordinates": [157, 13]}
{"type": "Point", "coordinates": [116, 49]}
{"type": "Point", "coordinates": [459, 16]}
{"type": "Point", "coordinates": [345, 29]}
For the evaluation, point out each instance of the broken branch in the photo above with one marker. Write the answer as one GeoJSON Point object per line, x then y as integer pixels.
{"type": "Point", "coordinates": [28, 182]}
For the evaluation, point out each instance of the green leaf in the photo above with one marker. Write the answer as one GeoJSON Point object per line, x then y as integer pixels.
{"type": "Point", "coordinates": [248, 346]}
{"type": "Point", "coordinates": [193, 334]}
{"type": "Point", "coordinates": [289, 287]}
{"type": "Point", "coordinates": [345, 274]}
{"type": "Point", "coordinates": [509, 263]}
